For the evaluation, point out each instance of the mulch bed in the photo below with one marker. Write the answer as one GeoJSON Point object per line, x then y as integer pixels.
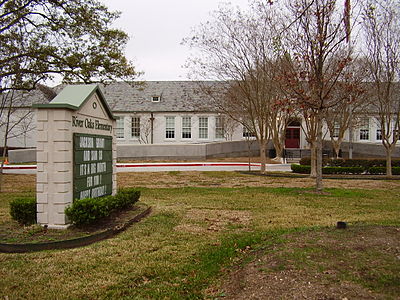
{"type": "Point", "coordinates": [36, 238]}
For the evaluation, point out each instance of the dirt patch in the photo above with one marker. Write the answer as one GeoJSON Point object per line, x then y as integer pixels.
{"type": "Point", "coordinates": [358, 263]}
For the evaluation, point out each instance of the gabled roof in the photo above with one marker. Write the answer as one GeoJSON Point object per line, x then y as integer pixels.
{"type": "Point", "coordinates": [75, 96]}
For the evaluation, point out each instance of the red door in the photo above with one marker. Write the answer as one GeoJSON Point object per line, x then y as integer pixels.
{"type": "Point", "coordinates": [292, 138]}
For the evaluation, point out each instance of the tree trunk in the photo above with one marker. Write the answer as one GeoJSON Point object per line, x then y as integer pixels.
{"type": "Point", "coordinates": [278, 149]}
{"type": "Point", "coordinates": [263, 157]}
{"type": "Point", "coordinates": [2, 164]}
{"type": "Point", "coordinates": [318, 150]}
{"type": "Point", "coordinates": [389, 151]}
{"type": "Point", "coordinates": [313, 172]}
{"type": "Point", "coordinates": [336, 147]}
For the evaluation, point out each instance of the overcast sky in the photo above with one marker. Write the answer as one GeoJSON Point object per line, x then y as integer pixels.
{"type": "Point", "coordinates": [156, 29]}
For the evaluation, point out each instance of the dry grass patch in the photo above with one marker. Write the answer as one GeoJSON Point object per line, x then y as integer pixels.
{"type": "Point", "coordinates": [161, 257]}
{"type": "Point", "coordinates": [236, 179]}
{"type": "Point", "coordinates": [201, 221]}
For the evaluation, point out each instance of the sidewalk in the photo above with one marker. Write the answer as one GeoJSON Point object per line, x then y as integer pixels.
{"type": "Point", "coordinates": [163, 167]}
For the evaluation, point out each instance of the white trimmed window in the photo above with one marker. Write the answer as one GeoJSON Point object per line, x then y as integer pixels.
{"type": "Point", "coordinates": [364, 129]}
{"type": "Point", "coordinates": [248, 134]}
{"type": "Point", "coordinates": [219, 127]}
{"type": "Point", "coordinates": [169, 127]}
{"type": "Point", "coordinates": [186, 127]}
{"type": "Point", "coordinates": [203, 127]}
{"type": "Point", "coordinates": [135, 125]}
{"type": "Point", "coordinates": [119, 130]}
{"type": "Point", "coordinates": [379, 134]}
{"type": "Point", "coordinates": [336, 128]}
{"type": "Point", "coordinates": [395, 132]}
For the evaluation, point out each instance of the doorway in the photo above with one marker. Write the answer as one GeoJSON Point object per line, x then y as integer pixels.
{"type": "Point", "coordinates": [292, 139]}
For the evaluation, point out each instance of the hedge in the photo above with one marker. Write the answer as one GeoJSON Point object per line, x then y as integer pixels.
{"type": "Point", "coordinates": [327, 170]}
{"type": "Point", "coordinates": [343, 170]}
{"type": "Point", "coordinates": [340, 162]}
{"type": "Point", "coordinates": [23, 210]}
{"type": "Point", "coordinates": [301, 169]}
{"type": "Point", "coordinates": [367, 163]}
{"type": "Point", "coordinates": [304, 169]}
{"type": "Point", "coordinates": [382, 170]}
{"type": "Point", "coordinates": [90, 210]}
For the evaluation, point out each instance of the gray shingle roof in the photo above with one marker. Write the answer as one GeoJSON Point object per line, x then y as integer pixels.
{"type": "Point", "coordinates": [176, 96]}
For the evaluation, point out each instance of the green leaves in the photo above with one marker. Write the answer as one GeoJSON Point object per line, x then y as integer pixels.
{"type": "Point", "coordinates": [23, 210]}
{"type": "Point", "coordinates": [40, 38]}
{"type": "Point", "coordinates": [90, 210]}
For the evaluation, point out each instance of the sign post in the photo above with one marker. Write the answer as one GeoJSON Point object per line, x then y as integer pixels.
{"type": "Point", "coordinates": [76, 152]}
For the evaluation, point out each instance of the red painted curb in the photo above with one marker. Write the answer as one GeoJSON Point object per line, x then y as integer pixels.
{"type": "Point", "coordinates": [187, 165]}
{"type": "Point", "coordinates": [151, 165]}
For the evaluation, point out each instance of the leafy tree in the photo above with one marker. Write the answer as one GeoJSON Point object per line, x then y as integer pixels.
{"type": "Point", "coordinates": [72, 38]}
{"type": "Point", "coordinates": [41, 39]}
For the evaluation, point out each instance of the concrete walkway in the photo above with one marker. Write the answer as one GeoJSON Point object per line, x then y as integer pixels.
{"type": "Point", "coordinates": [173, 166]}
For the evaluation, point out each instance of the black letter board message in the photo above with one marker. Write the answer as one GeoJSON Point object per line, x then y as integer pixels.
{"type": "Point", "coordinates": [93, 167]}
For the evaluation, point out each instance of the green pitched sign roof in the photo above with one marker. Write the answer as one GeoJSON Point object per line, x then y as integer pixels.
{"type": "Point", "coordinates": [74, 96]}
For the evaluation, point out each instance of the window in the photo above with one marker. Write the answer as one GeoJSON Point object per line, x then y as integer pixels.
{"type": "Point", "coordinates": [155, 99]}
{"type": "Point", "coordinates": [203, 127]}
{"type": "Point", "coordinates": [248, 134]}
{"type": "Point", "coordinates": [379, 134]}
{"type": "Point", "coordinates": [120, 127]}
{"type": "Point", "coordinates": [336, 129]}
{"type": "Point", "coordinates": [170, 127]}
{"type": "Point", "coordinates": [135, 127]}
{"type": "Point", "coordinates": [395, 135]}
{"type": "Point", "coordinates": [364, 130]}
{"type": "Point", "coordinates": [186, 127]}
{"type": "Point", "coordinates": [219, 128]}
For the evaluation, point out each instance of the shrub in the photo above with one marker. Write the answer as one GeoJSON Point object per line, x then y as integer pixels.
{"type": "Point", "coordinates": [23, 210]}
{"type": "Point", "coordinates": [382, 170]}
{"type": "Point", "coordinates": [327, 170]}
{"type": "Point", "coordinates": [340, 162]}
{"type": "Point", "coordinates": [306, 161]}
{"type": "Point", "coordinates": [89, 210]}
{"type": "Point", "coordinates": [302, 169]}
{"type": "Point", "coordinates": [126, 197]}
{"type": "Point", "coordinates": [343, 170]}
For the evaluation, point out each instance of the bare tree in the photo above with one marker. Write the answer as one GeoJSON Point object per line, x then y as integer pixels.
{"type": "Point", "coordinates": [14, 122]}
{"type": "Point", "coordinates": [281, 114]}
{"type": "Point", "coordinates": [382, 35]}
{"type": "Point", "coordinates": [225, 127]}
{"type": "Point", "coordinates": [147, 127]}
{"type": "Point", "coordinates": [316, 57]}
{"type": "Point", "coordinates": [238, 48]}
{"type": "Point", "coordinates": [353, 99]}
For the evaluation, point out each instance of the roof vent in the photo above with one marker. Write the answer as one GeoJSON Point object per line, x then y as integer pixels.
{"type": "Point", "coordinates": [155, 99]}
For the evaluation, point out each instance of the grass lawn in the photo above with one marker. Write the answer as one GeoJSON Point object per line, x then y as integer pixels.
{"type": "Point", "coordinates": [205, 223]}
